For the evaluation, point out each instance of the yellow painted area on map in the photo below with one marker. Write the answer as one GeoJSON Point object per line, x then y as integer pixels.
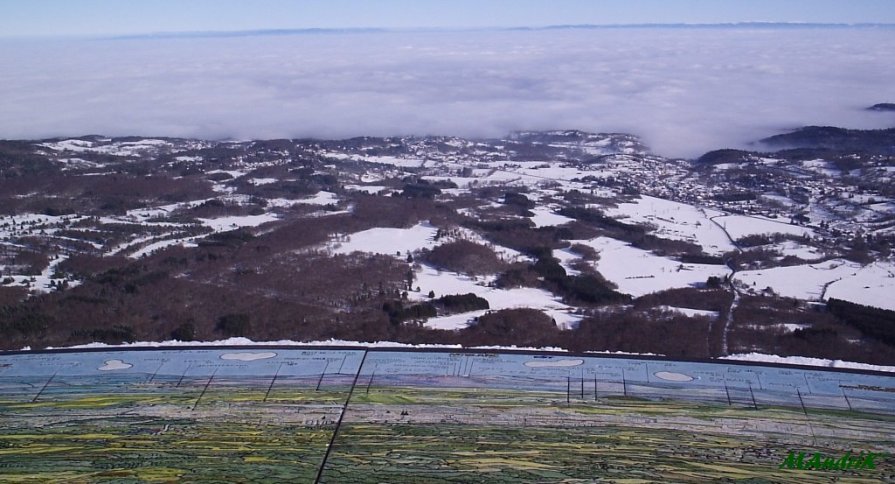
{"type": "Point", "coordinates": [159, 474]}
{"type": "Point", "coordinates": [498, 463]}
{"type": "Point", "coordinates": [254, 459]}
{"type": "Point", "coordinates": [39, 449]}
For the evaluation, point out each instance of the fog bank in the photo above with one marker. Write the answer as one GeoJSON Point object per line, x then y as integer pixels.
{"type": "Point", "coordinates": [685, 91]}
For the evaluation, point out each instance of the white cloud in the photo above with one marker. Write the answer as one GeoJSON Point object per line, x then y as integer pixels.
{"type": "Point", "coordinates": [558, 363]}
{"type": "Point", "coordinates": [672, 376]}
{"type": "Point", "coordinates": [111, 365]}
{"type": "Point", "coordinates": [248, 356]}
{"type": "Point", "coordinates": [684, 90]}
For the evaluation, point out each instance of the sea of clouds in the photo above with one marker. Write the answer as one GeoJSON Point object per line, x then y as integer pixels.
{"type": "Point", "coordinates": [683, 90]}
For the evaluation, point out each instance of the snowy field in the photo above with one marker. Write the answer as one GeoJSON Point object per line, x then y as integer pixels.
{"type": "Point", "coordinates": [444, 283]}
{"type": "Point", "coordinates": [162, 244]}
{"type": "Point", "coordinates": [872, 285]}
{"type": "Point", "coordinates": [42, 283]}
{"type": "Point", "coordinates": [676, 221]}
{"type": "Point", "coordinates": [693, 313]}
{"type": "Point", "coordinates": [371, 189]}
{"type": "Point", "coordinates": [792, 248]}
{"type": "Point", "coordinates": [399, 242]}
{"type": "Point", "coordinates": [388, 240]}
{"type": "Point", "coordinates": [222, 224]}
{"type": "Point", "coordinates": [545, 217]}
{"type": "Point", "coordinates": [128, 148]}
{"type": "Point", "coordinates": [801, 282]}
{"type": "Point", "coordinates": [739, 226]}
{"type": "Point", "coordinates": [635, 272]}
{"type": "Point", "coordinates": [638, 272]}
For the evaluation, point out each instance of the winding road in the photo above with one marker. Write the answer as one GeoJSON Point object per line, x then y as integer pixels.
{"type": "Point", "coordinates": [730, 283]}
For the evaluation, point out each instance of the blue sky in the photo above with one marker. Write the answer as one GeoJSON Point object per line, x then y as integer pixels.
{"type": "Point", "coordinates": [117, 17]}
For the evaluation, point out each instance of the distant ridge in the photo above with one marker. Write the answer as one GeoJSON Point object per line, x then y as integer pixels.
{"type": "Point", "coordinates": [728, 25]}
{"type": "Point", "coordinates": [882, 107]}
{"type": "Point", "coordinates": [878, 141]}
{"type": "Point", "coordinates": [325, 31]}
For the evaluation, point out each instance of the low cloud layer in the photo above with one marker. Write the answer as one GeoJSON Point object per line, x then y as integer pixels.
{"type": "Point", "coordinates": [685, 91]}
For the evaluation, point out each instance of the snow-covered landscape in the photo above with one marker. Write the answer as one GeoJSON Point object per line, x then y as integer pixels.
{"type": "Point", "coordinates": [392, 241]}
{"type": "Point", "coordinates": [569, 228]}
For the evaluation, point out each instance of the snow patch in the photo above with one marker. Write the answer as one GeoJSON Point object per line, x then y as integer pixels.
{"type": "Point", "coordinates": [544, 217]}
{"type": "Point", "coordinates": [676, 221]}
{"type": "Point", "coordinates": [638, 272]}
{"type": "Point", "coordinates": [800, 282]}
{"type": "Point", "coordinates": [388, 240]}
{"type": "Point", "coordinates": [690, 312]}
{"type": "Point", "coordinates": [805, 361]}
{"type": "Point", "coordinates": [229, 223]}
{"type": "Point", "coordinates": [739, 226]}
{"type": "Point", "coordinates": [446, 283]}
{"type": "Point", "coordinates": [371, 189]}
{"type": "Point", "coordinates": [262, 181]}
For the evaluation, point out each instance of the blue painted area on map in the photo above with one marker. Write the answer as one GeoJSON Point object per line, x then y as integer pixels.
{"type": "Point", "coordinates": [585, 375]}
{"type": "Point", "coordinates": [568, 375]}
{"type": "Point", "coordinates": [194, 362]}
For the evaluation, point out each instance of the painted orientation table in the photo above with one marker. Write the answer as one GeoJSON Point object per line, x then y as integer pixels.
{"type": "Point", "coordinates": [349, 414]}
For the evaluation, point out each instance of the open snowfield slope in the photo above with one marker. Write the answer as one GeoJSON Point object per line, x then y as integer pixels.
{"type": "Point", "coordinates": [792, 248]}
{"type": "Point", "coordinates": [388, 240]}
{"type": "Point", "coordinates": [155, 246]}
{"type": "Point", "coordinates": [805, 361]}
{"type": "Point", "coordinates": [444, 283]}
{"type": "Point", "coordinates": [223, 224]}
{"type": "Point", "coordinates": [677, 221]}
{"type": "Point", "coordinates": [422, 236]}
{"type": "Point", "coordinates": [739, 226]}
{"type": "Point", "coordinates": [678, 200]}
{"type": "Point", "coordinates": [801, 282]}
{"type": "Point", "coordinates": [693, 313]}
{"type": "Point", "coordinates": [638, 272]}
{"type": "Point", "coordinates": [872, 285]}
{"type": "Point", "coordinates": [545, 217]}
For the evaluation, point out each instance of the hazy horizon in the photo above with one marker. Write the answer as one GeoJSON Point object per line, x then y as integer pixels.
{"type": "Point", "coordinates": [113, 17]}
{"type": "Point", "coordinates": [424, 29]}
